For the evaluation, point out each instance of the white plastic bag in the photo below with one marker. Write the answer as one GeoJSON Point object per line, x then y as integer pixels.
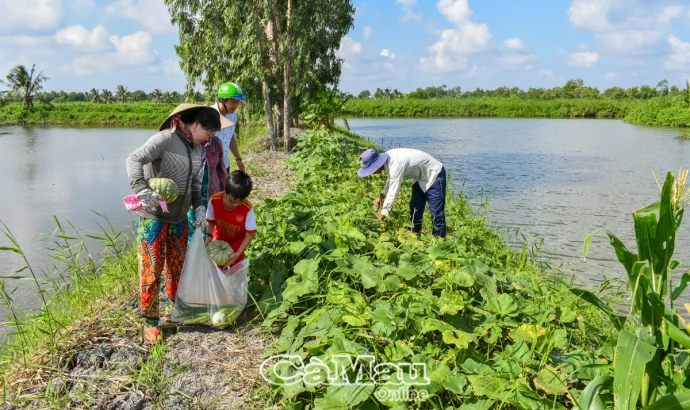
{"type": "Point", "coordinates": [206, 294]}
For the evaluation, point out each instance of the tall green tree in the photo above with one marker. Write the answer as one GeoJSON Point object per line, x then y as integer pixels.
{"type": "Point", "coordinates": [157, 96]}
{"type": "Point", "coordinates": [93, 96]}
{"type": "Point", "coordinates": [277, 50]}
{"type": "Point", "coordinates": [121, 93]}
{"type": "Point", "coordinates": [107, 96]}
{"type": "Point", "coordinates": [25, 84]}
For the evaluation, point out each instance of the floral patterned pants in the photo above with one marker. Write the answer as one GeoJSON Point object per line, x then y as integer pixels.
{"type": "Point", "coordinates": [162, 248]}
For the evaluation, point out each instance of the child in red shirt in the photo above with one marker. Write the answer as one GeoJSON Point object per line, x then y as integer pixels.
{"type": "Point", "coordinates": [230, 216]}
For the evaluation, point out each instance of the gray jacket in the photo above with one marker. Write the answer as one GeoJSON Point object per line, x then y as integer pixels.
{"type": "Point", "coordinates": [169, 155]}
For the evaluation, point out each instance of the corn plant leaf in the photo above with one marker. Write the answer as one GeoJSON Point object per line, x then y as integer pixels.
{"type": "Point", "coordinates": [632, 354]}
{"type": "Point", "coordinates": [590, 298]}
{"type": "Point", "coordinates": [590, 399]}
{"type": "Point", "coordinates": [624, 256]}
{"type": "Point", "coordinates": [676, 334]}
{"type": "Point", "coordinates": [680, 401]}
{"type": "Point", "coordinates": [681, 286]}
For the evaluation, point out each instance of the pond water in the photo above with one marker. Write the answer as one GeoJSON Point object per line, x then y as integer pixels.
{"type": "Point", "coordinates": [550, 178]}
{"type": "Point", "coordinates": [70, 173]}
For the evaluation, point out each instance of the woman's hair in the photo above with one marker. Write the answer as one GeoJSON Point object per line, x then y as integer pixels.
{"type": "Point", "coordinates": [238, 184]}
{"type": "Point", "coordinates": [208, 117]}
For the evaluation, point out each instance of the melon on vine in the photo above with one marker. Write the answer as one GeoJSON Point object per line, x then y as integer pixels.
{"type": "Point", "coordinates": [220, 252]}
{"type": "Point", "coordinates": [166, 188]}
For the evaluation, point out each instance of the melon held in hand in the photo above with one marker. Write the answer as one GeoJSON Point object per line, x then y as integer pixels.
{"type": "Point", "coordinates": [167, 188]}
{"type": "Point", "coordinates": [220, 252]}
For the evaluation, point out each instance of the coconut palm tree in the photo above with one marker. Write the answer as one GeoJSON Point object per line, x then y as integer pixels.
{"type": "Point", "coordinates": [93, 96]}
{"type": "Point", "coordinates": [25, 84]}
{"type": "Point", "coordinates": [121, 93]}
{"type": "Point", "coordinates": [157, 96]}
{"type": "Point", "coordinates": [107, 96]}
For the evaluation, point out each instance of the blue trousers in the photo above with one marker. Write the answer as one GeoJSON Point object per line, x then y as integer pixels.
{"type": "Point", "coordinates": [436, 197]}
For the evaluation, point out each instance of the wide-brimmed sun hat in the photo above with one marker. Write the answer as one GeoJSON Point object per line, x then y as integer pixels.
{"type": "Point", "coordinates": [182, 108]}
{"type": "Point", "coordinates": [372, 161]}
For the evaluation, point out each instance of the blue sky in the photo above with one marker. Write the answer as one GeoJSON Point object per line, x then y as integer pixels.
{"type": "Point", "coordinates": [403, 44]}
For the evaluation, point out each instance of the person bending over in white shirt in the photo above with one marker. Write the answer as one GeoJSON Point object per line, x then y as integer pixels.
{"type": "Point", "coordinates": [428, 184]}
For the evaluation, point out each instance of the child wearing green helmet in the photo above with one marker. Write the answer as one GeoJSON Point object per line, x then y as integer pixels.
{"type": "Point", "coordinates": [229, 97]}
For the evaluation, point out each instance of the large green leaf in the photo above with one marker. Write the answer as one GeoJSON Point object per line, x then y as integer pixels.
{"type": "Point", "coordinates": [632, 354]}
{"type": "Point", "coordinates": [503, 305]}
{"type": "Point", "coordinates": [590, 399]}
{"type": "Point", "coordinates": [305, 281]}
{"type": "Point", "coordinates": [550, 381]}
{"type": "Point", "coordinates": [680, 401]}
{"type": "Point", "coordinates": [343, 397]}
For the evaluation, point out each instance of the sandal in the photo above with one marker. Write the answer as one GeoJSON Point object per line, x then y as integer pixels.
{"type": "Point", "coordinates": [152, 335]}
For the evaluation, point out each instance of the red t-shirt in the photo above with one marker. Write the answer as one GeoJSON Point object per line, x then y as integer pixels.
{"type": "Point", "coordinates": [232, 226]}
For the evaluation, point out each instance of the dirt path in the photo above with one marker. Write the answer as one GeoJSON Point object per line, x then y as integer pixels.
{"type": "Point", "coordinates": [107, 366]}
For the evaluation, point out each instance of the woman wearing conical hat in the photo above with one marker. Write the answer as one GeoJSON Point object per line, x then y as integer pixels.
{"type": "Point", "coordinates": [175, 153]}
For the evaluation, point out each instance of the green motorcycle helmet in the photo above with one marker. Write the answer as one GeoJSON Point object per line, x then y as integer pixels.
{"type": "Point", "coordinates": [231, 91]}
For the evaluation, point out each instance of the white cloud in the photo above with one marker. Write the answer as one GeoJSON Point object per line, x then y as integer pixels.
{"type": "Point", "coordinates": [134, 49]}
{"type": "Point", "coordinates": [590, 14]}
{"type": "Point", "coordinates": [451, 51]}
{"type": "Point", "coordinates": [514, 44]}
{"type": "Point", "coordinates": [153, 15]}
{"type": "Point", "coordinates": [408, 8]}
{"type": "Point", "coordinates": [629, 41]}
{"type": "Point", "coordinates": [626, 27]}
{"type": "Point", "coordinates": [545, 73]}
{"type": "Point", "coordinates": [30, 14]}
{"type": "Point", "coordinates": [583, 59]}
{"type": "Point", "coordinates": [387, 53]}
{"type": "Point", "coordinates": [349, 47]}
{"type": "Point", "coordinates": [680, 57]}
{"type": "Point", "coordinates": [82, 39]}
{"type": "Point", "coordinates": [170, 66]}
{"type": "Point", "coordinates": [610, 76]}
{"type": "Point", "coordinates": [368, 32]}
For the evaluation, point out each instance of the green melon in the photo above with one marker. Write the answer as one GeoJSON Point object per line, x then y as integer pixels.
{"type": "Point", "coordinates": [220, 252]}
{"type": "Point", "coordinates": [167, 188]}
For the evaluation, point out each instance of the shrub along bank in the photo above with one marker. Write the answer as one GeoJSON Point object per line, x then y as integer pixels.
{"type": "Point", "coordinates": [490, 327]}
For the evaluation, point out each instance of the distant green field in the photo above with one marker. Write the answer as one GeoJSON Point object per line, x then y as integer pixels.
{"type": "Point", "coordinates": [491, 107]}
{"type": "Point", "coordinates": [136, 114]}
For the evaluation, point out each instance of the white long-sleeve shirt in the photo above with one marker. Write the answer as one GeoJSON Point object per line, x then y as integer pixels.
{"type": "Point", "coordinates": [408, 163]}
{"type": "Point", "coordinates": [226, 134]}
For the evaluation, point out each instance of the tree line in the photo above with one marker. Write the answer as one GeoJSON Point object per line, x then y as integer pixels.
{"type": "Point", "coordinates": [571, 89]}
{"type": "Point", "coordinates": [26, 86]}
